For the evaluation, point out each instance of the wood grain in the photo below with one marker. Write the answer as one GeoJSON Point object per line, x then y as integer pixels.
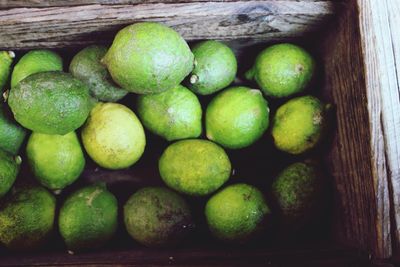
{"type": "Point", "coordinates": [361, 55]}
{"type": "Point", "coordinates": [357, 158]}
{"type": "Point", "coordinates": [5, 4]}
{"type": "Point", "coordinates": [380, 33]}
{"type": "Point", "coordinates": [327, 257]}
{"type": "Point", "coordinates": [81, 25]}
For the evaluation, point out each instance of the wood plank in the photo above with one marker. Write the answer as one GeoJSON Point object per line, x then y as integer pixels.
{"type": "Point", "coordinates": [51, 3]}
{"type": "Point", "coordinates": [328, 257]}
{"type": "Point", "coordinates": [380, 33]}
{"type": "Point", "coordinates": [357, 158]}
{"type": "Point", "coordinates": [24, 28]}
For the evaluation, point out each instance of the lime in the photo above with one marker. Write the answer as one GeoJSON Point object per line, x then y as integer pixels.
{"type": "Point", "coordinates": [237, 213]}
{"type": "Point", "coordinates": [282, 70]}
{"type": "Point", "coordinates": [174, 114]}
{"type": "Point", "coordinates": [86, 67]}
{"type": "Point", "coordinates": [6, 59]}
{"type": "Point", "coordinates": [9, 168]}
{"type": "Point", "coordinates": [12, 135]}
{"type": "Point", "coordinates": [299, 124]}
{"type": "Point", "coordinates": [237, 117]}
{"type": "Point", "coordinates": [148, 57]}
{"type": "Point", "coordinates": [298, 192]}
{"type": "Point", "coordinates": [56, 160]}
{"type": "Point", "coordinates": [157, 217]}
{"type": "Point", "coordinates": [215, 67]}
{"type": "Point", "coordinates": [113, 136]}
{"type": "Point", "coordinates": [34, 62]}
{"type": "Point", "coordinates": [26, 218]}
{"type": "Point", "coordinates": [50, 103]}
{"type": "Point", "coordinates": [194, 167]}
{"type": "Point", "coordinates": [88, 218]}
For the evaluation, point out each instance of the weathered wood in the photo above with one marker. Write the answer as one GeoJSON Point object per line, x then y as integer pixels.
{"type": "Point", "coordinates": [327, 257]}
{"type": "Point", "coordinates": [80, 25]}
{"type": "Point", "coordinates": [361, 56]}
{"type": "Point", "coordinates": [51, 3]}
{"type": "Point", "coordinates": [357, 158]}
{"type": "Point", "coordinates": [380, 34]}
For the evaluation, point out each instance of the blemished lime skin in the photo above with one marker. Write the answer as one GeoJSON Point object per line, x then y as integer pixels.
{"type": "Point", "coordinates": [12, 135]}
{"type": "Point", "coordinates": [9, 168]}
{"type": "Point", "coordinates": [35, 61]}
{"type": "Point", "coordinates": [194, 167]}
{"type": "Point", "coordinates": [27, 218]}
{"type": "Point", "coordinates": [148, 57]}
{"type": "Point", "coordinates": [50, 103]}
{"type": "Point", "coordinates": [6, 59]}
{"type": "Point", "coordinates": [299, 124]}
{"type": "Point", "coordinates": [174, 114]}
{"type": "Point", "coordinates": [282, 70]}
{"type": "Point", "coordinates": [86, 66]}
{"type": "Point", "coordinates": [215, 67]}
{"type": "Point", "coordinates": [157, 217]}
{"type": "Point", "coordinates": [237, 213]}
{"type": "Point", "coordinates": [237, 117]}
{"type": "Point", "coordinates": [298, 192]}
{"type": "Point", "coordinates": [88, 218]}
{"type": "Point", "coordinates": [55, 160]}
{"type": "Point", "coordinates": [113, 136]}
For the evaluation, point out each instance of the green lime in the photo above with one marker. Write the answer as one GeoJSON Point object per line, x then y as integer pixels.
{"type": "Point", "coordinates": [299, 124]}
{"type": "Point", "coordinates": [56, 160]}
{"type": "Point", "coordinates": [50, 102]}
{"type": "Point", "coordinates": [12, 135]}
{"type": "Point", "coordinates": [86, 66]}
{"type": "Point", "coordinates": [9, 168]}
{"type": "Point", "coordinates": [33, 62]}
{"type": "Point", "coordinates": [215, 67]}
{"type": "Point", "coordinates": [6, 59]}
{"type": "Point", "coordinates": [113, 136]}
{"type": "Point", "coordinates": [282, 70]}
{"type": "Point", "coordinates": [237, 117]}
{"type": "Point", "coordinates": [298, 192]}
{"type": "Point", "coordinates": [194, 167]}
{"type": "Point", "coordinates": [88, 218]}
{"type": "Point", "coordinates": [237, 213]}
{"type": "Point", "coordinates": [26, 218]}
{"type": "Point", "coordinates": [174, 114]}
{"type": "Point", "coordinates": [157, 217]}
{"type": "Point", "coordinates": [148, 57]}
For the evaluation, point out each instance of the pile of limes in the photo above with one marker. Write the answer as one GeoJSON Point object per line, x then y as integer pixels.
{"type": "Point", "coordinates": [60, 111]}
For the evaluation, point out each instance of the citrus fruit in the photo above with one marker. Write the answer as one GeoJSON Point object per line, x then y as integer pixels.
{"type": "Point", "coordinates": [157, 217]}
{"type": "Point", "coordinates": [6, 59]}
{"type": "Point", "coordinates": [50, 103]}
{"type": "Point", "coordinates": [26, 218]}
{"type": "Point", "coordinates": [215, 67]}
{"type": "Point", "coordinates": [113, 136]}
{"type": "Point", "coordinates": [237, 213]}
{"type": "Point", "coordinates": [148, 57]}
{"type": "Point", "coordinates": [12, 135]}
{"type": "Point", "coordinates": [55, 160]}
{"type": "Point", "coordinates": [298, 192]}
{"type": "Point", "coordinates": [35, 61]}
{"type": "Point", "coordinates": [174, 114]}
{"type": "Point", "coordinates": [86, 66]}
{"type": "Point", "coordinates": [282, 70]}
{"type": "Point", "coordinates": [9, 168]}
{"type": "Point", "coordinates": [194, 167]}
{"type": "Point", "coordinates": [237, 117]}
{"type": "Point", "coordinates": [88, 218]}
{"type": "Point", "coordinates": [299, 124]}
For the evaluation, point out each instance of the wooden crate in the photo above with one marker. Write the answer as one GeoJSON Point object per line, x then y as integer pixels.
{"type": "Point", "coordinates": [358, 45]}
